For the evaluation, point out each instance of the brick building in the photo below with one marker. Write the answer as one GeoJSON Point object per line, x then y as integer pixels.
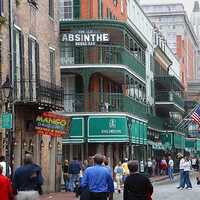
{"type": "Point", "coordinates": [34, 72]}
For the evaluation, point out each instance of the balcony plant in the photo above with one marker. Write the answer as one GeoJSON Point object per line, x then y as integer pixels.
{"type": "Point", "coordinates": [2, 20]}
{"type": "Point", "coordinates": [18, 2]}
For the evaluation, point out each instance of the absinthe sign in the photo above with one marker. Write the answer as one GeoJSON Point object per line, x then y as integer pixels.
{"type": "Point", "coordinates": [85, 38]}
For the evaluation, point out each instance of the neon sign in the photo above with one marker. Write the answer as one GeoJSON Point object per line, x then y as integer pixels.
{"type": "Point", "coordinates": [52, 124]}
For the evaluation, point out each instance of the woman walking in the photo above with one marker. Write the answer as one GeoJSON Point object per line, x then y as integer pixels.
{"type": "Point", "coordinates": [66, 174]}
{"type": "Point", "coordinates": [119, 172]}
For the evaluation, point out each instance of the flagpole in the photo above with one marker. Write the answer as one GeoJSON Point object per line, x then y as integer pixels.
{"type": "Point", "coordinates": [187, 117]}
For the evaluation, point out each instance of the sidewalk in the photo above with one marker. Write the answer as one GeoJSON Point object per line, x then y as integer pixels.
{"type": "Point", "coordinates": [71, 196]}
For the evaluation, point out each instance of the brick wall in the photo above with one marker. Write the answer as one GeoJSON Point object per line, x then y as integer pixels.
{"type": "Point", "coordinates": [89, 9]}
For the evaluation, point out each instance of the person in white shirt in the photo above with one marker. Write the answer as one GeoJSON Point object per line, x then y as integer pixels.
{"type": "Point", "coordinates": [171, 169]}
{"type": "Point", "coordinates": [3, 164]}
{"type": "Point", "coordinates": [181, 169]}
{"type": "Point", "coordinates": [149, 166]}
{"type": "Point", "coordinates": [187, 167]}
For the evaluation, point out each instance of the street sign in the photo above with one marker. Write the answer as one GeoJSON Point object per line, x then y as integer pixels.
{"type": "Point", "coordinates": [6, 120]}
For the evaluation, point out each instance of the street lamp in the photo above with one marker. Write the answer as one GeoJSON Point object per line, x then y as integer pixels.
{"type": "Point", "coordinates": [129, 124]}
{"type": "Point", "coordinates": [6, 91]}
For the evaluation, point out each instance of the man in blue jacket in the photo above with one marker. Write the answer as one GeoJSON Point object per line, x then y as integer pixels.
{"type": "Point", "coordinates": [27, 180]}
{"type": "Point", "coordinates": [98, 181]}
{"type": "Point", "coordinates": [74, 172]}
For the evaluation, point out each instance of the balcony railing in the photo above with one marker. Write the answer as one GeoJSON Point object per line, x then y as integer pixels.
{"type": "Point", "coordinates": [170, 96]}
{"type": "Point", "coordinates": [102, 55]}
{"type": "Point", "coordinates": [103, 102]}
{"type": "Point", "coordinates": [155, 122]}
{"type": "Point", "coordinates": [39, 91]}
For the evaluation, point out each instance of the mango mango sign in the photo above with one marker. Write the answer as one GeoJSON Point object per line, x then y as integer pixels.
{"type": "Point", "coordinates": [52, 124]}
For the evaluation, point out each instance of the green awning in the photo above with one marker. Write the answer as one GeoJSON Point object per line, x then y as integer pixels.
{"type": "Point", "coordinates": [179, 141]}
{"type": "Point", "coordinates": [198, 145]}
{"type": "Point", "coordinates": [139, 132]}
{"type": "Point", "coordinates": [107, 129]}
{"type": "Point", "coordinates": [76, 131]}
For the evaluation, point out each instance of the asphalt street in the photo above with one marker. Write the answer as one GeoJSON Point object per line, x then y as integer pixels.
{"type": "Point", "coordinates": [168, 191]}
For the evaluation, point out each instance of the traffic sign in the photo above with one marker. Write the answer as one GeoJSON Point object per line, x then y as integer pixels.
{"type": "Point", "coordinates": [6, 120]}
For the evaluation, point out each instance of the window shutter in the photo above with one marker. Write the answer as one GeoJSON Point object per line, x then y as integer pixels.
{"type": "Point", "coordinates": [30, 68]}
{"type": "Point", "coordinates": [37, 60]}
{"type": "Point", "coordinates": [1, 7]}
{"type": "Point", "coordinates": [14, 63]}
{"type": "Point", "coordinates": [22, 65]}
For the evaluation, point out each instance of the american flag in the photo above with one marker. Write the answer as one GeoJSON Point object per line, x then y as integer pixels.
{"type": "Point", "coordinates": [196, 116]}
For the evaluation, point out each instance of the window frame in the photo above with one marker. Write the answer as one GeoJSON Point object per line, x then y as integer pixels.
{"type": "Point", "coordinates": [51, 9]}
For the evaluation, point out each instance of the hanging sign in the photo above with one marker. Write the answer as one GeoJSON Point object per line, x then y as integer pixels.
{"type": "Point", "coordinates": [85, 37]}
{"type": "Point", "coordinates": [52, 124]}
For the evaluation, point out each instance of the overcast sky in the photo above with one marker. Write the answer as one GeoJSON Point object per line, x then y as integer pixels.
{"type": "Point", "coordinates": [188, 4]}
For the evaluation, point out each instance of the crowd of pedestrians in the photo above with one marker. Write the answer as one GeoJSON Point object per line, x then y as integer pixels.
{"type": "Point", "coordinates": [26, 183]}
{"type": "Point", "coordinates": [94, 178]}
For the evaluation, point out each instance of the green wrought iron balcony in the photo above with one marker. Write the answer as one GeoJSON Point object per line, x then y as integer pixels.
{"type": "Point", "coordinates": [103, 55]}
{"type": "Point", "coordinates": [104, 102]}
{"type": "Point", "coordinates": [155, 122]}
{"type": "Point", "coordinates": [169, 99]}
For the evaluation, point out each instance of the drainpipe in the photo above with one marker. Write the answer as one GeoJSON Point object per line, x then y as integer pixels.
{"type": "Point", "coordinates": [11, 39]}
{"type": "Point", "coordinates": [11, 70]}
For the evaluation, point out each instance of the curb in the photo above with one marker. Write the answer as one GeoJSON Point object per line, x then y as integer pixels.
{"type": "Point", "coordinates": [162, 178]}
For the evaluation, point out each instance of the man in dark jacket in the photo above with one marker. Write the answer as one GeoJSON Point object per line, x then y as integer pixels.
{"type": "Point", "coordinates": [27, 180]}
{"type": "Point", "coordinates": [74, 172]}
{"type": "Point", "coordinates": [137, 186]}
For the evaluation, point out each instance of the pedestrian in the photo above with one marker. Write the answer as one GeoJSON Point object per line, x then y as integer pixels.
{"type": "Point", "coordinates": [125, 167]}
{"type": "Point", "coordinates": [181, 169]}
{"type": "Point", "coordinates": [163, 166]}
{"type": "Point", "coordinates": [4, 164]}
{"type": "Point", "coordinates": [170, 168]}
{"type": "Point", "coordinates": [187, 168]}
{"type": "Point", "coordinates": [27, 180]}
{"type": "Point", "coordinates": [106, 164]}
{"type": "Point", "coordinates": [149, 167]}
{"type": "Point", "coordinates": [119, 171]}
{"type": "Point", "coordinates": [5, 186]}
{"type": "Point", "coordinates": [194, 162]}
{"type": "Point", "coordinates": [74, 172]}
{"type": "Point", "coordinates": [154, 167]}
{"type": "Point", "coordinates": [197, 164]}
{"type": "Point", "coordinates": [137, 186]}
{"type": "Point", "coordinates": [97, 181]}
{"type": "Point", "coordinates": [66, 174]}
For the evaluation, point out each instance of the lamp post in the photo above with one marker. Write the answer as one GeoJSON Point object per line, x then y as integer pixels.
{"type": "Point", "coordinates": [6, 91]}
{"type": "Point", "coordinates": [129, 124]}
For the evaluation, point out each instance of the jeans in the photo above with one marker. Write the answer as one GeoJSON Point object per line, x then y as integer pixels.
{"type": "Point", "coordinates": [187, 179]}
{"type": "Point", "coordinates": [170, 173]}
{"type": "Point", "coordinates": [72, 179]}
{"type": "Point", "coordinates": [182, 178]}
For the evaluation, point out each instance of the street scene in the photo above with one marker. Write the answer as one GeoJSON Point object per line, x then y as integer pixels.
{"type": "Point", "coordinates": [99, 99]}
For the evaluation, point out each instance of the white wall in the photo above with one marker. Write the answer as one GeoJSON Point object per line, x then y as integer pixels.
{"type": "Point", "coordinates": [174, 70]}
